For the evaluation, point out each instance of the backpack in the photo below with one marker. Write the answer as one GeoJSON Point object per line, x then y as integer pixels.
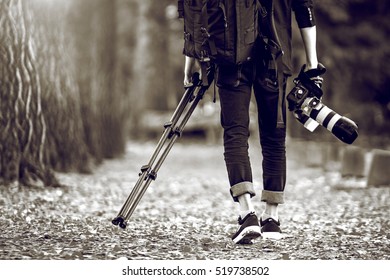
{"type": "Point", "coordinates": [223, 31]}
{"type": "Point", "coordinates": [209, 36]}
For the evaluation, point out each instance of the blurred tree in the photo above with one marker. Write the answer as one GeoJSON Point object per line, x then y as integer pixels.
{"type": "Point", "coordinates": [28, 143]}
{"type": "Point", "coordinates": [60, 107]}
{"type": "Point", "coordinates": [127, 20]}
{"type": "Point", "coordinates": [151, 88]}
{"type": "Point", "coordinates": [353, 45]}
{"type": "Point", "coordinates": [23, 124]}
{"type": "Point", "coordinates": [64, 145]}
{"type": "Point", "coordinates": [104, 106]}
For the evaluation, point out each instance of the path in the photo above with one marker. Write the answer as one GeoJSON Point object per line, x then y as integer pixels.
{"type": "Point", "coordinates": [187, 213]}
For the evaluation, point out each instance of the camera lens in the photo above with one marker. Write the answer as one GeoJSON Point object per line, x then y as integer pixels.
{"type": "Point", "coordinates": [341, 127]}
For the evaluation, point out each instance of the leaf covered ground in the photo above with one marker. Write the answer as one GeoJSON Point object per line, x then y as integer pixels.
{"type": "Point", "coordinates": [187, 213]}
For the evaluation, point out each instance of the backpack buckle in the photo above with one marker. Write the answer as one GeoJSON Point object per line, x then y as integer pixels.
{"type": "Point", "coordinates": [205, 33]}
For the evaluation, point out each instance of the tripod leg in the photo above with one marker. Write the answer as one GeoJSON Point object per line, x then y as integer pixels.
{"type": "Point", "coordinates": [141, 185]}
{"type": "Point", "coordinates": [148, 173]}
{"type": "Point", "coordinates": [177, 133]}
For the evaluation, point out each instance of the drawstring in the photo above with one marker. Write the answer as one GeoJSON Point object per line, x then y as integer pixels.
{"type": "Point", "coordinates": [215, 94]}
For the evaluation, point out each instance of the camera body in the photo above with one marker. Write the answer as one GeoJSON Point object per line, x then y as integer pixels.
{"type": "Point", "coordinates": [304, 100]}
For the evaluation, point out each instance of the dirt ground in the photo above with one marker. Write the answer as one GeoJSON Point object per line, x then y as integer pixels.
{"type": "Point", "coordinates": [187, 213]}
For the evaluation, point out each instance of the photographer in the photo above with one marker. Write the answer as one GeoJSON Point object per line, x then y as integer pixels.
{"type": "Point", "coordinates": [235, 83]}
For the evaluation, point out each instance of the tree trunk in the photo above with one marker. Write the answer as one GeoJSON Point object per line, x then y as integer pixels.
{"type": "Point", "coordinates": [41, 127]}
{"type": "Point", "coordinates": [150, 84]}
{"type": "Point", "coordinates": [113, 137]}
{"type": "Point", "coordinates": [65, 138]}
{"type": "Point", "coordinates": [23, 125]}
{"type": "Point", "coordinates": [59, 104]}
{"type": "Point", "coordinates": [104, 106]}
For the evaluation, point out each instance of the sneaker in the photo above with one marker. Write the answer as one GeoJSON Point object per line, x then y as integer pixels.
{"type": "Point", "coordinates": [270, 228]}
{"type": "Point", "coordinates": [249, 229]}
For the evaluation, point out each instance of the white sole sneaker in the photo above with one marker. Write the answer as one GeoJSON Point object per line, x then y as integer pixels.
{"type": "Point", "coordinates": [270, 229]}
{"type": "Point", "coordinates": [272, 235]}
{"type": "Point", "coordinates": [249, 229]}
{"type": "Point", "coordinates": [247, 235]}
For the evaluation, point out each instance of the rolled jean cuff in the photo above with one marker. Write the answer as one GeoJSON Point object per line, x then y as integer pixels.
{"type": "Point", "coordinates": [272, 197]}
{"type": "Point", "coordinates": [242, 188]}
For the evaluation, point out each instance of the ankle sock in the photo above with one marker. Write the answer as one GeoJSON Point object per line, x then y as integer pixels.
{"type": "Point", "coordinates": [266, 216]}
{"type": "Point", "coordinates": [246, 206]}
{"type": "Point", "coordinates": [271, 211]}
{"type": "Point", "coordinates": [244, 213]}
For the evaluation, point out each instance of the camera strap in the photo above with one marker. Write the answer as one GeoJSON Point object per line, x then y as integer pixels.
{"type": "Point", "coordinates": [279, 70]}
{"type": "Point", "coordinates": [273, 45]}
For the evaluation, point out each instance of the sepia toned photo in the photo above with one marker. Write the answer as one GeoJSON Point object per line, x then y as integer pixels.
{"type": "Point", "coordinates": [194, 130]}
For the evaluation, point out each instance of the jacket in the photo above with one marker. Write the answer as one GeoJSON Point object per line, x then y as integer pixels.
{"type": "Point", "coordinates": [304, 16]}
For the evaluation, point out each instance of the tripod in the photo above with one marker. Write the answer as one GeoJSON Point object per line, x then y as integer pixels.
{"type": "Point", "coordinates": [172, 130]}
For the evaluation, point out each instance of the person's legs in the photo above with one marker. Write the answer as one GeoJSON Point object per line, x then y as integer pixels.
{"type": "Point", "coordinates": [235, 95]}
{"type": "Point", "coordinates": [272, 141]}
{"type": "Point", "coordinates": [274, 170]}
{"type": "Point", "coordinates": [235, 86]}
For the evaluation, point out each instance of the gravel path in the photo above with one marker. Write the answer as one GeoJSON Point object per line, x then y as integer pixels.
{"type": "Point", "coordinates": [187, 213]}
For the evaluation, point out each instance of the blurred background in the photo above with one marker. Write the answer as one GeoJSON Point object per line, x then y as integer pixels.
{"type": "Point", "coordinates": [80, 78]}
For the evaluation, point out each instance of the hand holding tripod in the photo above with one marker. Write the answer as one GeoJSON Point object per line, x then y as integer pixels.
{"type": "Point", "coordinates": [172, 130]}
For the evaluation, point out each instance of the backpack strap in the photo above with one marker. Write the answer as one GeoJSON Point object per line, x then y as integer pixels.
{"type": "Point", "coordinates": [280, 120]}
{"type": "Point", "coordinates": [180, 8]}
{"type": "Point", "coordinates": [266, 12]}
{"type": "Point", "coordinates": [207, 40]}
{"type": "Point", "coordinates": [206, 35]}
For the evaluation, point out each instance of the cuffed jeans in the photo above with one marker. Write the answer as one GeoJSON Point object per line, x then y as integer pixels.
{"type": "Point", "coordinates": [235, 84]}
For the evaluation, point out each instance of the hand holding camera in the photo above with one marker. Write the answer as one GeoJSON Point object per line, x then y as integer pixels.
{"type": "Point", "coordinates": [316, 74]}
{"type": "Point", "coordinates": [304, 101]}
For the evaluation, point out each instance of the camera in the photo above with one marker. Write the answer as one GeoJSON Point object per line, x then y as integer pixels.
{"type": "Point", "coordinates": [304, 100]}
